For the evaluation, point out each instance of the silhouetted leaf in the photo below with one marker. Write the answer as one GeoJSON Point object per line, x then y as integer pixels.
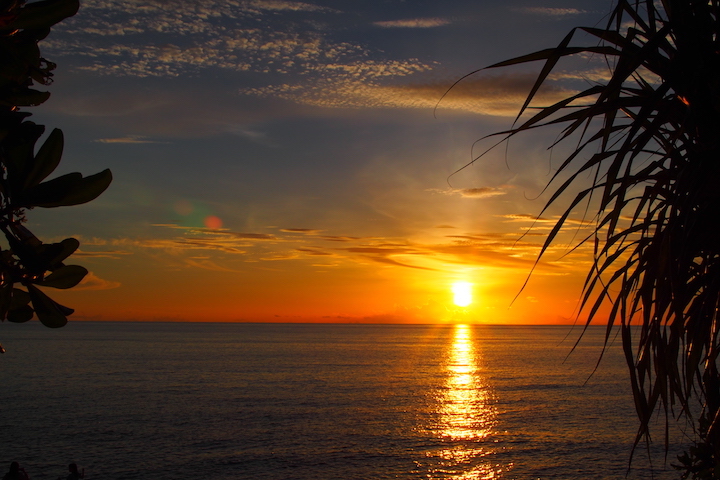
{"type": "Point", "coordinates": [44, 14]}
{"type": "Point", "coordinates": [65, 277]}
{"type": "Point", "coordinates": [54, 254]}
{"type": "Point", "coordinates": [49, 312]}
{"type": "Point", "coordinates": [5, 299]}
{"type": "Point", "coordinates": [67, 190]}
{"type": "Point", "coordinates": [46, 160]}
{"type": "Point", "coordinates": [25, 98]}
{"type": "Point", "coordinates": [21, 314]}
{"type": "Point", "coordinates": [19, 298]}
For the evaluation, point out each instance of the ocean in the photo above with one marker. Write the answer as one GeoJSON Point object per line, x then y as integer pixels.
{"type": "Point", "coordinates": [183, 401]}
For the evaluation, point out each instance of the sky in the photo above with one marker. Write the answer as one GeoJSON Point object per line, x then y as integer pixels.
{"type": "Point", "coordinates": [281, 161]}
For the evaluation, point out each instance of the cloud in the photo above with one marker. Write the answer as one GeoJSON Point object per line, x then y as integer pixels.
{"type": "Point", "coordinates": [207, 264]}
{"type": "Point", "coordinates": [279, 5]}
{"type": "Point", "coordinates": [305, 65]}
{"type": "Point", "coordinates": [524, 217]}
{"type": "Point", "coordinates": [225, 251]}
{"type": "Point", "coordinates": [172, 38]}
{"type": "Point", "coordinates": [306, 231]}
{"type": "Point", "coordinates": [381, 249]}
{"type": "Point", "coordinates": [128, 139]}
{"type": "Point", "coordinates": [289, 56]}
{"type": "Point", "coordinates": [219, 232]}
{"type": "Point", "coordinates": [478, 192]}
{"type": "Point", "coordinates": [395, 263]}
{"type": "Point", "coordinates": [500, 95]}
{"type": "Point", "coordinates": [313, 252]}
{"type": "Point", "coordinates": [339, 238]}
{"type": "Point", "coordinates": [93, 282]}
{"type": "Point", "coordinates": [550, 11]}
{"type": "Point", "coordinates": [414, 23]}
{"type": "Point", "coordinates": [600, 75]}
{"type": "Point", "coordinates": [246, 236]}
{"type": "Point", "coordinates": [100, 254]}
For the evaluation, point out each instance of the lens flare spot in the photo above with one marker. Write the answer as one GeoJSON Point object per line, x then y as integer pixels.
{"type": "Point", "coordinates": [213, 222]}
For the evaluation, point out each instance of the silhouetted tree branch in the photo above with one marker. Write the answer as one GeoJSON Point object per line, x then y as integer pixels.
{"type": "Point", "coordinates": [29, 263]}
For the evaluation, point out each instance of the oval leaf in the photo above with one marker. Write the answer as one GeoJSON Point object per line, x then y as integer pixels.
{"type": "Point", "coordinates": [67, 190]}
{"type": "Point", "coordinates": [5, 299]}
{"type": "Point", "coordinates": [49, 312]}
{"type": "Point", "coordinates": [20, 298]}
{"type": "Point", "coordinates": [54, 254]}
{"type": "Point", "coordinates": [20, 314]}
{"type": "Point", "coordinates": [65, 277]}
{"type": "Point", "coordinates": [45, 14]}
{"type": "Point", "coordinates": [47, 158]}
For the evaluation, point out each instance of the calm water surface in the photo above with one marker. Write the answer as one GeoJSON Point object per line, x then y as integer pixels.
{"type": "Point", "coordinates": [302, 402]}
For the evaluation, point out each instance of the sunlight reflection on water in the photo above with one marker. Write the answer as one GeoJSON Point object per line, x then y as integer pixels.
{"type": "Point", "coordinates": [468, 415]}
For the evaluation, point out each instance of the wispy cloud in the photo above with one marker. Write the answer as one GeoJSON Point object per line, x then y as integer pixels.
{"type": "Point", "coordinates": [525, 217]}
{"type": "Point", "coordinates": [478, 192]}
{"type": "Point", "coordinates": [550, 11]}
{"type": "Point", "coordinates": [127, 139]}
{"type": "Point", "coordinates": [207, 264]}
{"type": "Point", "coordinates": [414, 23]}
{"type": "Point", "coordinates": [489, 95]}
{"type": "Point", "coordinates": [172, 38]}
{"type": "Point", "coordinates": [226, 250]}
{"type": "Point", "coordinates": [598, 74]}
{"type": "Point", "coordinates": [390, 261]}
{"type": "Point", "coordinates": [313, 252]}
{"type": "Point", "coordinates": [100, 254]}
{"type": "Point", "coordinates": [280, 5]}
{"type": "Point", "coordinates": [306, 65]}
{"type": "Point", "coordinates": [339, 238]}
{"type": "Point", "coordinates": [93, 282]}
{"type": "Point", "coordinates": [305, 231]}
{"type": "Point", "coordinates": [272, 39]}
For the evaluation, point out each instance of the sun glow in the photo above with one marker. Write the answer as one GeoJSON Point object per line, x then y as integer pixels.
{"type": "Point", "coordinates": [462, 293]}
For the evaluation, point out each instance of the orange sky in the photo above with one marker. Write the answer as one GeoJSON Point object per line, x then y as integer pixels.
{"type": "Point", "coordinates": [284, 161]}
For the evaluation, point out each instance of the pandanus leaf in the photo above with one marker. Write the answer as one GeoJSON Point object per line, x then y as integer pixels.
{"type": "Point", "coordinates": [69, 189]}
{"type": "Point", "coordinates": [652, 197]}
{"type": "Point", "coordinates": [64, 277]}
{"type": "Point", "coordinates": [49, 312]}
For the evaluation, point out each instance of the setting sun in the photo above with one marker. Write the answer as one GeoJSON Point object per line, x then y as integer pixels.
{"type": "Point", "coordinates": [462, 293]}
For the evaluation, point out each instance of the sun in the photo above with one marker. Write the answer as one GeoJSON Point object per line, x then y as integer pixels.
{"type": "Point", "coordinates": [462, 293]}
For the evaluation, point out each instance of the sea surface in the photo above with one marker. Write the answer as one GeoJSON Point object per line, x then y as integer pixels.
{"type": "Point", "coordinates": [183, 401]}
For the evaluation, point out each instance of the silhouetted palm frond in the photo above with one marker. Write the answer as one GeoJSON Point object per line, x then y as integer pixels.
{"type": "Point", "coordinates": [650, 137]}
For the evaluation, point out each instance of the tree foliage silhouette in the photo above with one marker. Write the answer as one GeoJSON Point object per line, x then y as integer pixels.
{"type": "Point", "coordinates": [29, 263]}
{"type": "Point", "coordinates": [648, 137]}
